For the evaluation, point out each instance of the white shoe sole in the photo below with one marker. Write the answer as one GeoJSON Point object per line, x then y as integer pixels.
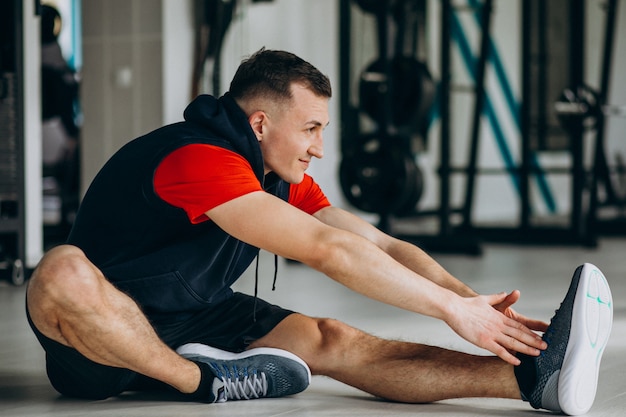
{"type": "Point", "coordinates": [592, 318]}
{"type": "Point", "coordinates": [198, 349]}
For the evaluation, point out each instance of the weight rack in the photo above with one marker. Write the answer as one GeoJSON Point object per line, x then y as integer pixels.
{"type": "Point", "coordinates": [12, 224]}
{"type": "Point", "coordinates": [583, 225]}
{"type": "Point", "coordinates": [447, 238]}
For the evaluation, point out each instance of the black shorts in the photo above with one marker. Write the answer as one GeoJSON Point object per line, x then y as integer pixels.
{"type": "Point", "coordinates": [230, 325]}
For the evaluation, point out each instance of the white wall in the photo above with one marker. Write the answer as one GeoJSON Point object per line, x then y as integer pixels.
{"type": "Point", "coordinates": [178, 44]}
{"type": "Point", "coordinates": [122, 79]}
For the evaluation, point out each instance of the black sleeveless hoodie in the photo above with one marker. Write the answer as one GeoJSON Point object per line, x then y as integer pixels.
{"type": "Point", "coordinates": [148, 248]}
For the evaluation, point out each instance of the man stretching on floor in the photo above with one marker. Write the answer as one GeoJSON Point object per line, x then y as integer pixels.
{"type": "Point", "coordinates": [141, 293]}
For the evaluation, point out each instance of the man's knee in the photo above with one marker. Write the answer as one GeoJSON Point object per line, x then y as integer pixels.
{"type": "Point", "coordinates": [59, 266]}
{"type": "Point", "coordinates": [335, 332]}
{"type": "Point", "coordinates": [336, 344]}
{"type": "Point", "coordinates": [324, 344]}
{"type": "Point", "coordinates": [64, 276]}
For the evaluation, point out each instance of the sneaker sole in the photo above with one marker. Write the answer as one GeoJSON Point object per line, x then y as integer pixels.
{"type": "Point", "coordinates": [198, 349]}
{"type": "Point", "coordinates": [592, 318]}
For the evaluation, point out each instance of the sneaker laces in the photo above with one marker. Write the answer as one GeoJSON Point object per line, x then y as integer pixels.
{"type": "Point", "coordinates": [242, 385]}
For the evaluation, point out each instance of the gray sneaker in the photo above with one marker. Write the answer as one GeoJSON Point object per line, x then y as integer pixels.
{"type": "Point", "coordinates": [564, 377]}
{"type": "Point", "coordinates": [255, 373]}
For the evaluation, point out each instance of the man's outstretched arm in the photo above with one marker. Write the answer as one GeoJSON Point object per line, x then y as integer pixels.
{"type": "Point", "coordinates": [405, 253]}
{"type": "Point", "coordinates": [360, 264]}
{"type": "Point", "coordinates": [418, 261]}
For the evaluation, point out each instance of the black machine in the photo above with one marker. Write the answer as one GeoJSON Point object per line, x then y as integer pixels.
{"type": "Point", "coordinates": [11, 147]}
{"type": "Point", "coordinates": [378, 172]}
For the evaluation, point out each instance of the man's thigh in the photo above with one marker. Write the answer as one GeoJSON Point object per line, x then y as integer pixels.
{"type": "Point", "coordinates": [231, 325]}
{"type": "Point", "coordinates": [74, 375]}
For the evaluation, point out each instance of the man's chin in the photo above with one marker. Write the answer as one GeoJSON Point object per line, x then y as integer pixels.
{"type": "Point", "coordinates": [294, 180]}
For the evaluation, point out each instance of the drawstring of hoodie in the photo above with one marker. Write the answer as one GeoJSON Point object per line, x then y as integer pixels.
{"type": "Point", "coordinates": [256, 281]}
{"type": "Point", "coordinates": [256, 273]}
{"type": "Point", "coordinates": [275, 272]}
{"type": "Point", "coordinates": [256, 286]}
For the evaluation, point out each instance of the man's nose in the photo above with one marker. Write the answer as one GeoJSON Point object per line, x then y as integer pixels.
{"type": "Point", "coordinates": [317, 147]}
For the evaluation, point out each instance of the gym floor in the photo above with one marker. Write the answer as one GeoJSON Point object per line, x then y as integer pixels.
{"type": "Point", "coordinates": [541, 273]}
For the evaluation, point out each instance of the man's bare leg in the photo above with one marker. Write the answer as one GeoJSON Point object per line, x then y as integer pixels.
{"type": "Point", "coordinates": [71, 302]}
{"type": "Point", "coordinates": [393, 370]}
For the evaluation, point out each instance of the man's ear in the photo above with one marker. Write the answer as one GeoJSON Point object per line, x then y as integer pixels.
{"type": "Point", "coordinates": [257, 122]}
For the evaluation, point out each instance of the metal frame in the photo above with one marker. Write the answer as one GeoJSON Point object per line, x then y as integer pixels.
{"type": "Point", "coordinates": [583, 225]}
{"type": "Point", "coordinates": [14, 227]}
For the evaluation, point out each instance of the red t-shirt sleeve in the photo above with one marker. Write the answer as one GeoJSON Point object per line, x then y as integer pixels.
{"type": "Point", "coordinates": [199, 177]}
{"type": "Point", "coordinates": [307, 196]}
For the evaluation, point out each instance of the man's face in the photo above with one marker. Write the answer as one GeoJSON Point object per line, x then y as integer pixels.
{"type": "Point", "coordinates": [293, 135]}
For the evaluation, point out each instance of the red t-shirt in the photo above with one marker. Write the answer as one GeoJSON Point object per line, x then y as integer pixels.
{"type": "Point", "coordinates": [199, 177]}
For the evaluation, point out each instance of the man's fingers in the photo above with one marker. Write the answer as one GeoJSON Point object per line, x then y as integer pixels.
{"type": "Point", "coordinates": [510, 299]}
{"type": "Point", "coordinates": [504, 354]}
{"type": "Point", "coordinates": [506, 347]}
{"type": "Point", "coordinates": [496, 299]}
{"type": "Point", "coordinates": [525, 340]}
{"type": "Point", "coordinates": [522, 347]}
{"type": "Point", "coordinates": [537, 325]}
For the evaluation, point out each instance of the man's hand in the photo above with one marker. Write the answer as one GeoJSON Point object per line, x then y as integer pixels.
{"type": "Point", "coordinates": [480, 321]}
{"type": "Point", "coordinates": [505, 308]}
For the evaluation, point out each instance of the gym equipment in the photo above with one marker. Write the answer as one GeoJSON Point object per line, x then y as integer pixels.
{"type": "Point", "coordinates": [406, 15]}
{"type": "Point", "coordinates": [583, 103]}
{"type": "Point", "coordinates": [411, 89]}
{"type": "Point", "coordinates": [578, 110]}
{"type": "Point", "coordinates": [380, 176]}
{"type": "Point", "coordinates": [378, 172]}
{"type": "Point", "coordinates": [11, 268]}
{"type": "Point", "coordinates": [213, 18]}
{"type": "Point", "coordinates": [12, 193]}
{"type": "Point", "coordinates": [576, 105]}
{"type": "Point", "coordinates": [601, 170]}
